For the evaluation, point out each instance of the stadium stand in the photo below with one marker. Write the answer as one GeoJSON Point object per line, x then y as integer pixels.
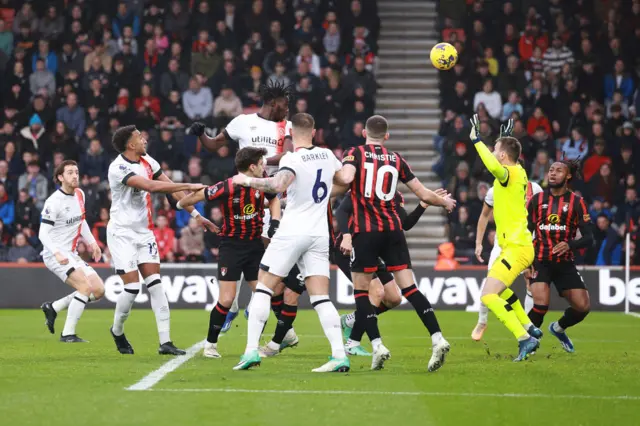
{"type": "Point", "coordinates": [75, 70]}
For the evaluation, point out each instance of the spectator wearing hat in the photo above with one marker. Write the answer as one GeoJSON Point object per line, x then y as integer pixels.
{"type": "Point", "coordinates": [34, 138]}
{"type": "Point", "coordinates": [34, 183]}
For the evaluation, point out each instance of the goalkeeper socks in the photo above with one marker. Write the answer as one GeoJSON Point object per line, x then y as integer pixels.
{"type": "Point", "coordinates": [276, 304]}
{"type": "Point", "coordinates": [528, 302]}
{"type": "Point", "coordinates": [422, 307]}
{"type": "Point", "coordinates": [537, 313]}
{"type": "Point", "coordinates": [285, 322]}
{"type": "Point", "coordinates": [570, 318]}
{"type": "Point", "coordinates": [160, 307]}
{"type": "Point", "coordinates": [365, 314]}
{"type": "Point", "coordinates": [123, 307]}
{"type": "Point", "coordinates": [216, 319]}
{"type": "Point", "coordinates": [513, 300]}
{"type": "Point", "coordinates": [258, 316]}
{"type": "Point", "coordinates": [76, 307]}
{"type": "Point", "coordinates": [62, 304]}
{"type": "Point", "coordinates": [330, 321]}
{"type": "Point", "coordinates": [505, 314]}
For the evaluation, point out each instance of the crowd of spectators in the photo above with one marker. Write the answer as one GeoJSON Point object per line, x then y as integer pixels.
{"type": "Point", "coordinates": [73, 71]}
{"type": "Point", "coordinates": [568, 73]}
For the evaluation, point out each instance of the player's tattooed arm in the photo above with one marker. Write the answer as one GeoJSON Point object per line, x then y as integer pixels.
{"type": "Point", "coordinates": [279, 183]}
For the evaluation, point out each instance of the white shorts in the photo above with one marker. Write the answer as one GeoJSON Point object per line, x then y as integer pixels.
{"type": "Point", "coordinates": [266, 221]}
{"type": "Point", "coordinates": [63, 271]}
{"type": "Point", "coordinates": [130, 248]}
{"type": "Point", "coordinates": [495, 253]}
{"type": "Point", "coordinates": [311, 254]}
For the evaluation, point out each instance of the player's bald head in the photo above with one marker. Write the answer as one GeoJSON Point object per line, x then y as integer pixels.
{"type": "Point", "coordinates": [377, 128]}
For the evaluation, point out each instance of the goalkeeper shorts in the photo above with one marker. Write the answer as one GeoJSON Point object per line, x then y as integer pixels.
{"type": "Point", "coordinates": [512, 261]}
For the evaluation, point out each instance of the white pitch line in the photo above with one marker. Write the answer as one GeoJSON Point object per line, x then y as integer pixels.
{"type": "Point", "coordinates": [633, 314]}
{"type": "Point", "coordinates": [155, 376]}
{"type": "Point", "coordinates": [391, 393]}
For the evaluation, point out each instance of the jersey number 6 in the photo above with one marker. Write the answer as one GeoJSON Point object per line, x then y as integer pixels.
{"type": "Point", "coordinates": [320, 190]}
{"type": "Point", "coordinates": [380, 178]}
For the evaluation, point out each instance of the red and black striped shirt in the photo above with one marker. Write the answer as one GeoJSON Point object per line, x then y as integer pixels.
{"type": "Point", "coordinates": [556, 219]}
{"type": "Point", "coordinates": [373, 189]}
{"type": "Point", "coordinates": [242, 209]}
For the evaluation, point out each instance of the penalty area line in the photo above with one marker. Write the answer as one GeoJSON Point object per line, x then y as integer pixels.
{"type": "Point", "coordinates": [391, 393]}
{"type": "Point", "coordinates": [155, 376]}
{"type": "Point", "coordinates": [633, 314]}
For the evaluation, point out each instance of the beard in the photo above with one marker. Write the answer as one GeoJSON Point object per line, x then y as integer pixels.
{"type": "Point", "coordinates": [558, 185]}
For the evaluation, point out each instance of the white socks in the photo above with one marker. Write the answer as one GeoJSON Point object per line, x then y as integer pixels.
{"type": "Point", "coordinates": [557, 328]}
{"type": "Point", "coordinates": [123, 307]}
{"type": "Point", "coordinates": [260, 307]}
{"type": "Point", "coordinates": [375, 343]}
{"type": "Point", "coordinates": [76, 307]}
{"type": "Point", "coordinates": [62, 304]}
{"type": "Point", "coordinates": [528, 303]}
{"type": "Point", "coordinates": [352, 343]}
{"type": "Point", "coordinates": [483, 314]}
{"type": "Point", "coordinates": [350, 319]}
{"type": "Point", "coordinates": [160, 306]}
{"type": "Point", "coordinates": [330, 321]}
{"type": "Point", "coordinates": [435, 338]}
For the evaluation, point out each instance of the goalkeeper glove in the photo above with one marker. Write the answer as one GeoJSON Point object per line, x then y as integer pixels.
{"type": "Point", "coordinates": [474, 135]}
{"type": "Point", "coordinates": [506, 129]}
{"type": "Point", "coordinates": [196, 128]}
{"type": "Point", "coordinates": [273, 227]}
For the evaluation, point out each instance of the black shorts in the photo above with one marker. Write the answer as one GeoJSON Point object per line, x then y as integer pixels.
{"type": "Point", "coordinates": [344, 263]}
{"type": "Point", "coordinates": [239, 257]}
{"type": "Point", "coordinates": [390, 246]}
{"type": "Point", "coordinates": [564, 275]}
{"type": "Point", "coordinates": [295, 281]}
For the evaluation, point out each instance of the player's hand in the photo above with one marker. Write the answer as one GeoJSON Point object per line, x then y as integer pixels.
{"type": "Point", "coordinates": [479, 253]}
{"type": "Point", "coordinates": [196, 128]}
{"type": "Point", "coordinates": [506, 129]}
{"type": "Point", "coordinates": [96, 253]}
{"type": "Point", "coordinates": [195, 187]}
{"type": "Point", "coordinates": [474, 134]}
{"type": "Point", "coordinates": [346, 246]}
{"type": "Point", "coordinates": [528, 273]}
{"type": "Point", "coordinates": [273, 227]}
{"type": "Point", "coordinates": [561, 248]}
{"type": "Point", "coordinates": [207, 224]}
{"type": "Point", "coordinates": [449, 203]}
{"type": "Point", "coordinates": [61, 258]}
{"type": "Point", "coordinates": [441, 192]}
{"type": "Point", "coordinates": [240, 180]}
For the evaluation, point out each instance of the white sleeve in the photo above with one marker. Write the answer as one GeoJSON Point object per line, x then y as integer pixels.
{"type": "Point", "coordinates": [488, 199]}
{"type": "Point", "coordinates": [535, 188]}
{"type": "Point", "coordinates": [337, 164]}
{"type": "Point", "coordinates": [287, 129]}
{"type": "Point", "coordinates": [287, 162]}
{"type": "Point", "coordinates": [85, 231]}
{"type": "Point", "coordinates": [120, 173]}
{"type": "Point", "coordinates": [48, 218]}
{"type": "Point", "coordinates": [235, 127]}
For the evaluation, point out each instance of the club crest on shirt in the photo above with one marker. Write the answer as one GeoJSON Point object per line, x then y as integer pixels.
{"type": "Point", "coordinates": [223, 271]}
{"type": "Point", "coordinates": [123, 167]}
{"type": "Point", "coordinates": [565, 208]}
{"type": "Point", "coordinates": [257, 194]}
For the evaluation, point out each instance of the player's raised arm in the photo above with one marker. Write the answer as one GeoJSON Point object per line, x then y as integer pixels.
{"type": "Point", "coordinates": [490, 161]}
{"type": "Point", "coordinates": [209, 143]}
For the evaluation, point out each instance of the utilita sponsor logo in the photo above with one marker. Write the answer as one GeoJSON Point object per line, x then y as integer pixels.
{"type": "Point", "coordinates": [196, 289]}
{"type": "Point", "coordinates": [612, 290]}
{"type": "Point", "coordinates": [451, 291]}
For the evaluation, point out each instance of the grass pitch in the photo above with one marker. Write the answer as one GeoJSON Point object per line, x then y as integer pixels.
{"type": "Point", "coordinates": [44, 382]}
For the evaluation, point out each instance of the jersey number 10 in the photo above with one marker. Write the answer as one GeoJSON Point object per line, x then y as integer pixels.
{"type": "Point", "coordinates": [380, 177]}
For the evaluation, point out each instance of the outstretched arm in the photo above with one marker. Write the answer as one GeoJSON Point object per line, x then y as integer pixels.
{"type": "Point", "coordinates": [430, 197]}
{"type": "Point", "coordinates": [144, 184]}
{"type": "Point", "coordinates": [187, 201]}
{"type": "Point", "coordinates": [275, 185]}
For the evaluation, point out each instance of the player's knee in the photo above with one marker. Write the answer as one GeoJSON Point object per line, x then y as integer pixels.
{"type": "Point", "coordinates": [583, 306]}
{"type": "Point", "coordinates": [97, 290]}
{"type": "Point", "coordinates": [83, 287]}
{"type": "Point", "coordinates": [392, 299]}
{"type": "Point", "coordinates": [291, 297]}
{"type": "Point", "coordinates": [226, 296]}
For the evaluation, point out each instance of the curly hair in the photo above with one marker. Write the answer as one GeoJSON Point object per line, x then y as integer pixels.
{"type": "Point", "coordinates": [274, 89]}
{"type": "Point", "coordinates": [574, 168]}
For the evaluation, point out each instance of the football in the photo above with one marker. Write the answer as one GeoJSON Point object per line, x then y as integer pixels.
{"type": "Point", "coordinates": [444, 56]}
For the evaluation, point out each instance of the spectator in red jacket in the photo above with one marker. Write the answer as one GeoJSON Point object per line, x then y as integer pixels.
{"type": "Point", "coordinates": [166, 239]}
{"type": "Point", "coordinates": [530, 39]}
{"type": "Point", "coordinates": [538, 119]}
{"type": "Point", "coordinates": [147, 103]}
{"type": "Point", "coordinates": [593, 163]}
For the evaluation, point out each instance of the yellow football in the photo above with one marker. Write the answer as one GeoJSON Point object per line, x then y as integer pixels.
{"type": "Point", "coordinates": [444, 56]}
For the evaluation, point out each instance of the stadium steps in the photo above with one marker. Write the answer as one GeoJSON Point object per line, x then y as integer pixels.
{"type": "Point", "coordinates": [409, 98]}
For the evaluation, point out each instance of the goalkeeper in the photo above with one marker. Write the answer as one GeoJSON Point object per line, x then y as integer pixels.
{"type": "Point", "coordinates": [514, 238]}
